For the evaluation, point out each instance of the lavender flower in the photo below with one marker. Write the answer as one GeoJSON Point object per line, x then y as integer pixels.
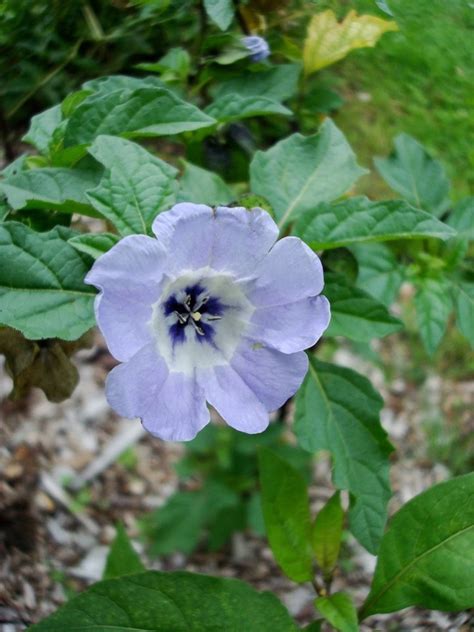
{"type": "Point", "coordinates": [212, 309]}
{"type": "Point", "coordinates": [257, 45]}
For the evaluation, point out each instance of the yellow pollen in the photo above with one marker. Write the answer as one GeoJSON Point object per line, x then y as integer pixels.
{"type": "Point", "coordinates": [196, 316]}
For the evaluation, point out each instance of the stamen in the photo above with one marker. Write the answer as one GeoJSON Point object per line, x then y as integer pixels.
{"type": "Point", "coordinates": [196, 316]}
{"type": "Point", "coordinates": [183, 319]}
{"type": "Point", "coordinates": [200, 303]}
{"type": "Point", "coordinates": [198, 329]}
{"type": "Point", "coordinates": [214, 317]}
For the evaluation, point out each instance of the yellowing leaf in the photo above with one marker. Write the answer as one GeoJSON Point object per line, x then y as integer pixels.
{"type": "Point", "coordinates": [329, 41]}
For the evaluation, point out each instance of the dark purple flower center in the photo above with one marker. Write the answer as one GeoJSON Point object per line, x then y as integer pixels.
{"type": "Point", "coordinates": [196, 310]}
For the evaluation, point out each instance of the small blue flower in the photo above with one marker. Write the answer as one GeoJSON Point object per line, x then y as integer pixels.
{"type": "Point", "coordinates": [257, 45]}
{"type": "Point", "coordinates": [211, 310]}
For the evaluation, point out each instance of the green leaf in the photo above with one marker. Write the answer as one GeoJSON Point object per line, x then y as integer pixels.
{"type": "Point", "coordinates": [360, 220]}
{"type": "Point", "coordinates": [328, 41]}
{"type": "Point", "coordinates": [285, 506]}
{"type": "Point", "coordinates": [179, 524]}
{"type": "Point", "coordinates": [175, 65]}
{"type": "Point", "coordinates": [379, 271]}
{"type": "Point", "coordinates": [94, 244]}
{"type": "Point", "coordinates": [132, 113]}
{"type": "Point", "coordinates": [232, 53]}
{"type": "Point", "coordinates": [433, 304]}
{"type": "Point", "coordinates": [327, 534]}
{"type": "Point", "coordinates": [413, 173]}
{"type": "Point", "coordinates": [112, 83]}
{"type": "Point", "coordinates": [462, 218]}
{"type": "Point", "coordinates": [464, 306]}
{"type": "Point", "coordinates": [135, 186]}
{"type": "Point", "coordinates": [4, 209]}
{"type": "Point", "coordinates": [233, 107]}
{"type": "Point", "coordinates": [342, 262]}
{"type": "Point", "coordinates": [227, 522]}
{"type": "Point", "coordinates": [338, 410]}
{"type": "Point", "coordinates": [122, 558]}
{"type": "Point", "coordinates": [201, 186]}
{"type": "Point", "coordinates": [426, 557]}
{"type": "Point", "coordinates": [44, 294]}
{"type": "Point", "coordinates": [42, 128]}
{"type": "Point", "coordinates": [221, 12]}
{"type": "Point", "coordinates": [58, 189]}
{"type": "Point", "coordinates": [339, 611]}
{"type": "Point", "coordinates": [355, 314]}
{"type": "Point", "coordinates": [15, 167]}
{"type": "Point", "coordinates": [72, 100]}
{"type": "Point", "coordinates": [308, 170]}
{"type": "Point", "coordinates": [165, 602]}
{"type": "Point", "coordinates": [255, 519]}
{"type": "Point", "coordinates": [278, 83]}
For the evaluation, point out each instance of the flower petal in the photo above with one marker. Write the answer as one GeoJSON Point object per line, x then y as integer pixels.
{"type": "Point", "coordinates": [225, 239]}
{"type": "Point", "coordinates": [172, 406]}
{"type": "Point", "coordinates": [257, 381]}
{"type": "Point", "coordinates": [271, 375]}
{"type": "Point", "coordinates": [290, 272]}
{"type": "Point", "coordinates": [234, 400]}
{"type": "Point", "coordinates": [129, 277]}
{"type": "Point", "coordinates": [133, 387]}
{"type": "Point", "coordinates": [293, 327]}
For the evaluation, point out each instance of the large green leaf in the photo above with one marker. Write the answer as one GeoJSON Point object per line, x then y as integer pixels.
{"type": "Point", "coordinates": [58, 189]}
{"type": "Point", "coordinates": [464, 306]}
{"type": "Point", "coordinates": [201, 186]}
{"type": "Point", "coordinates": [339, 610]}
{"type": "Point", "coordinates": [112, 83]}
{"type": "Point", "coordinates": [338, 410]}
{"type": "Point", "coordinates": [462, 218]}
{"type": "Point", "coordinates": [379, 273]}
{"type": "Point", "coordinates": [413, 173]}
{"type": "Point", "coordinates": [361, 220]}
{"type": "Point", "coordinates": [135, 187]}
{"type": "Point", "coordinates": [94, 244]}
{"type": "Point", "coordinates": [170, 602]}
{"type": "Point", "coordinates": [426, 557]}
{"type": "Point", "coordinates": [221, 12]}
{"type": "Point", "coordinates": [233, 107]}
{"type": "Point", "coordinates": [433, 304]}
{"type": "Point", "coordinates": [43, 294]}
{"type": "Point", "coordinates": [122, 558]}
{"type": "Point", "coordinates": [278, 83]}
{"type": "Point", "coordinates": [287, 518]}
{"type": "Point", "coordinates": [299, 172]}
{"type": "Point", "coordinates": [356, 314]}
{"type": "Point", "coordinates": [327, 534]}
{"type": "Point", "coordinates": [132, 113]}
{"type": "Point", "coordinates": [42, 128]}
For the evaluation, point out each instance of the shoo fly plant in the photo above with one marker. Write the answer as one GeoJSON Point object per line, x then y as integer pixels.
{"type": "Point", "coordinates": [203, 215]}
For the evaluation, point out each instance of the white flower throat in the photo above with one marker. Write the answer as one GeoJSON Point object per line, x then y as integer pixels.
{"type": "Point", "coordinates": [199, 320]}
